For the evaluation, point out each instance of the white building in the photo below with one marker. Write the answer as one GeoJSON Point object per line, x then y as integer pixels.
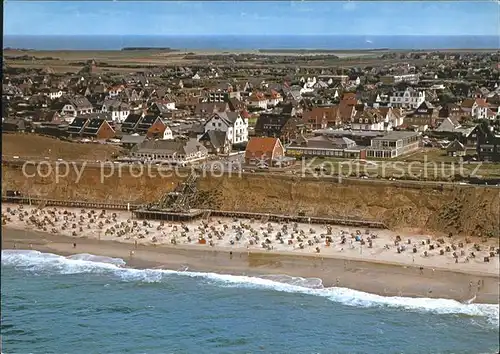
{"type": "Point", "coordinates": [167, 134]}
{"type": "Point", "coordinates": [393, 144]}
{"type": "Point", "coordinates": [355, 82]}
{"type": "Point", "coordinates": [76, 106]}
{"type": "Point", "coordinates": [55, 94]}
{"type": "Point", "coordinates": [408, 99]}
{"type": "Point", "coordinates": [409, 78]}
{"type": "Point", "coordinates": [480, 109]}
{"type": "Point", "coordinates": [274, 98]}
{"type": "Point", "coordinates": [257, 100]}
{"type": "Point", "coordinates": [377, 119]}
{"type": "Point", "coordinates": [114, 91]}
{"type": "Point", "coordinates": [232, 123]}
{"type": "Point", "coordinates": [119, 110]}
{"type": "Point", "coordinates": [178, 151]}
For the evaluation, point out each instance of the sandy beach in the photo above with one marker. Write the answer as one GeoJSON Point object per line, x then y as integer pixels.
{"type": "Point", "coordinates": [375, 261]}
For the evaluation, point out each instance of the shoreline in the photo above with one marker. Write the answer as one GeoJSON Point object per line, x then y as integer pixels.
{"type": "Point", "coordinates": [376, 277]}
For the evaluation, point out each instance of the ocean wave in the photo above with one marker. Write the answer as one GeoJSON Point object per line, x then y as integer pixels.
{"type": "Point", "coordinates": [101, 259]}
{"type": "Point", "coordinates": [87, 263]}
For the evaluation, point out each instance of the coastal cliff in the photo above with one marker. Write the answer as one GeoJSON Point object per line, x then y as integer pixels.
{"type": "Point", "coordinates": [464, 210]}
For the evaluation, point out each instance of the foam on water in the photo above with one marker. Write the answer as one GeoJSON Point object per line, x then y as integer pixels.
{"type": "Point", "coordinates": [87, 263]}
{"type": "Point", "coordinates": [101, 259]}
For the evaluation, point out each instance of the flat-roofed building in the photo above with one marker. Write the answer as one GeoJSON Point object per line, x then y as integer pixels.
{"type": "Point", "coordinates": [325, 146]}
{"type": "Point", "coordinates": [396, 79]}
{"type": "Point", "coordinates": [393, 144]}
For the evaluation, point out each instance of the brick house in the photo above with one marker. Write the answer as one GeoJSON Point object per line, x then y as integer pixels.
{"type": "Point", "coordinates": [425, 116]}
{"type": "Point", "coordinates": [98, 129]}
{"type": "Point", "coordinates": [264, 152]}
{"type": "Point", "coordinates": [157, 129]}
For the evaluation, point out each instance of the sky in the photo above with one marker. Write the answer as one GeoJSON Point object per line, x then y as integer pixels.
{"type": "Point", "coordinates": [251, 17]}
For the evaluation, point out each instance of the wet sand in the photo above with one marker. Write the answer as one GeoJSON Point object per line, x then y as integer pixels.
{"type": "Point", "coordinates": [378, 277]}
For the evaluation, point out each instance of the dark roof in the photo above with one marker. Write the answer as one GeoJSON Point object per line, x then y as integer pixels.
{"type": "Point", "coordinates": [132, 139]}
{"type": "Point", "coordinates": [198, 128]}
{"type": "Point", "coordinates": [288, 109]}
{"type": "Point", "coordinates": [324, 142]}
{"type": "Point", "coordinates": [77, 125]}
{"type": "Point", "coordinates": [455, 146]}
{"type": "Point", "coordinates": [116, 105]}
{"type": "Point", "coordinates": [95, 124]}
{"type": "Point", "coordinates": [45, 115]}
{"type": "Point", "coordinates": [147, 122]}
{"type": "Point", "coordinates": [132, 118]}
{"type": "Point", "coordinates": [162, 107]}
{"type": "Point", "coordinates": [228, 117]}
{"type": "Point", "coordinates": [216, 137]}
{"type": "Point", "coordinates": [80, 102]}
{"type": "Point", "coordinates": [181, 147]}
{"type": "Point", "coordinates": [148, 119]}
{"type": "Point", "coordinates": [78, 122]}
{"type": "Point", "coordinates": [397, 135]}
{"type": "Point", "coordinates": [14, 122]}
{"type": "Point", "coordinates": [268, 119]}
{"type": "Point", "coordinates": [97, 115]}
{"type": "Point", "coordinates": [130, 122]}
{"type": "Point", "coordinates": [211, 107]}
{"type": "Point", "coordinates": [235, 104]}
{"type": "Point", "coordinates": [425, 105]}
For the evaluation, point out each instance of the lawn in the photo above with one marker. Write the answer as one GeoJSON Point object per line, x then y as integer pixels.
{"type": "Point", "coordinates": [252, 121]}
{"type": "Point", "coordinates": [36, 147]}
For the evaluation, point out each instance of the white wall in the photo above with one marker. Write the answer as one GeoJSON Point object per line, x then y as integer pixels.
{"type": "Point", "coordinates": [167, 134]}
{"type": "Point", "coordinates": [240, 131]}
{"type": "Point", "coordinates": [258, 104]}
{"type": "Point", "coordinates": [407, 101]}
{"type": "Point", "coordinates": [54, 95]}
{"type": "Point", "coordinates": [236, 134]}
{"type": "Point", "coordinates": [68, 110]}
{"type": "Point", "coordinates": [366, 126]}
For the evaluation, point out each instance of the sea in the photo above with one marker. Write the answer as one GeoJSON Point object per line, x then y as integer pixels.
{"type": "Point", "coordinates": [93, 304]}
{"type": "Point", "coordinates": [252, 42]}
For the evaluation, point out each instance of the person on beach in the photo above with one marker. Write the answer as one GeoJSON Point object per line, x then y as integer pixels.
{"type": "Point", "coordinates": [132, 253]}
{"type": "Point", "coordinates": [74, 245]}
{"type": "Point", "coordinates": [421, 270]}
{"type": "Point", "coordinates": [135, 244]}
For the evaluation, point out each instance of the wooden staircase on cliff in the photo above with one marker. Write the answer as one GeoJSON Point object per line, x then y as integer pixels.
{"type": "Point", "coordinates": [180, 199]}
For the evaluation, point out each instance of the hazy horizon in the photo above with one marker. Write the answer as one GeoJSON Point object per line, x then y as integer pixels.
{"type": "Point", "coordinates": [251, 42]}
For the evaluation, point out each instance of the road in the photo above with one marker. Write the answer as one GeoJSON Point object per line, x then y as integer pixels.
{"type": "Point", "coordinates": [234, 165]}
